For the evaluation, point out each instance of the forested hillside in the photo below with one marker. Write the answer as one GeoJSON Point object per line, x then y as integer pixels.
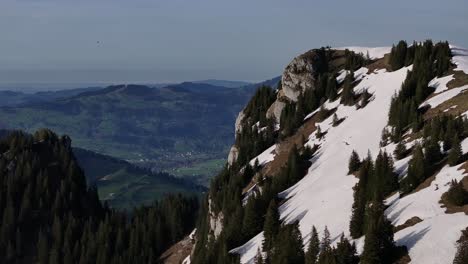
{"type": "Point", "coordinates": [125, 186]}
{"type": "Point", "coordinates": [359, 156]}
{"type": "Point", "coordinates": [50, 215]}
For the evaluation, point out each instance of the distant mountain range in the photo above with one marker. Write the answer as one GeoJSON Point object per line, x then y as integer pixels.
{"type": "Point", "coordinates": [15, 98]}
{"type": "Point", "coordinates": [184, 128]}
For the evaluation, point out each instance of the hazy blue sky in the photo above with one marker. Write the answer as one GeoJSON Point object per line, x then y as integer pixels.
{"type": "Point", "coordinates": [87, 41]}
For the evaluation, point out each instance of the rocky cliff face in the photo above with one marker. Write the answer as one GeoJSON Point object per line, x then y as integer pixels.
{"type": "Point", "coordinates": [299, 75]}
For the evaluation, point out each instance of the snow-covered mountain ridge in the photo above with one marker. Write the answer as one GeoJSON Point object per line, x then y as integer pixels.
{"type": "Point", "coordinates": [323, 197]}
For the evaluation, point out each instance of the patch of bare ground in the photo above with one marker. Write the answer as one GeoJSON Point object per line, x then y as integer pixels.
{"type": "Point", "coordinates": [285, 146]}
{"type": "Point", "coordinates": [426, 183]}
{"type": "Point", "coordinates": [379, 64]}
{"type": "Point", "coordinates": [460, 79]}
{"type": "Point", "coordinates": [410, 222]}
{"type": "Point", "coordinates": [456, 105]}
{"type": "Point", "coordinates": [178, 252]}
{"type": "Point", "coordinates": [451, 208]}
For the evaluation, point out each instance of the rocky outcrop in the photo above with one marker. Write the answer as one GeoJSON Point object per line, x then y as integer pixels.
{"type": "Point", "coordinates": [216, 221]}
{"type": "Point", "coordinates": [233, 154]}
{"type": "Point", "coordinates": [299, 75]}
{"type": "Point", "coordinates": [239, 119]}
{"type": "Point", "coordinates": [276, 108]}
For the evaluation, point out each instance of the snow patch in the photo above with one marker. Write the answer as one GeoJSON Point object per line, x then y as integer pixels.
{"type": "Point", "coordinates": [464, 145]}
{"type": "Point", "coordinates": [249, 250]}
{"type": "Point", "coordinates": [445, 96]}
{"type": "Point", "coordinates": [450, 108]}
{"type": "Point", "coordinates": [186, 260]}
{"type": "Point", "coordinates": [440, 84]}
{"type": "Point", "coordinates": [327, 105]}
{"type": "Point", "coordinates": [265, 157]}
{"type": "Point", "coordinates": [460, 58]}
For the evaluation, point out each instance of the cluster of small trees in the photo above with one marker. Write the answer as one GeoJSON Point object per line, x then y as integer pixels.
{"type": "Point", "coordinates": [49, 215]}
{"type": "Point", "coordinates": [285, 245]}
{"type": "Point", "coordinates": [257, 132]}
{"type": "Point", "coordinates": [354, 61]}
{"type": "Point", "coordinates": [426, 158]}
{"type": "Point", "coordinates": [376, 180]}
{"type": "Point", "coordinates": [457, 195]}
{"type": "Point", "coordinates": [428, 61]}
{"type": "Point", "coordinates": [403, 55]}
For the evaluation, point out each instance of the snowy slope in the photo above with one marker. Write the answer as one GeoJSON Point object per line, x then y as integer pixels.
{"type": "Point", "coordinates": [265, 157]}
{"type": "Point", "coordinates": [324, 196]}
{"type": "Point", "coordinates": [438, 232]}
{"type": "Point", "coordinates": [440, 84]}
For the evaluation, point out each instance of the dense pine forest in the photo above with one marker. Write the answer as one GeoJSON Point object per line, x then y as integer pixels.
{"type": "Point", "coordinates": [50, 215]}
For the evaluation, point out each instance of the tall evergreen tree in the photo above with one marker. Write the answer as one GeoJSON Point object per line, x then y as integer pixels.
{"type": "Point", "coordinates": [326, 251]}
{"type": "Point", "coordinates": [379, 246]}
{"type": "Point", "coordinates": [417, 170]}
{"type": "Point", "coordinates": [271, 226]}
{"type": "Point", "coordinates": [345, 252]}
{"type": "Point", "coordinates": [356, 225]}
{"type": "Point", "coordinates": [313, 249]}
{"type": "Point", "coordinates": [253, 221]}
{"type": "Point", "coordinates": [347, 95]}
{"type": "Point", "coordinates": [455, 152]}
{"type": "Point", "coordinates": [289, 246]}
{"type": "Point", "coordinates": [354, 162]}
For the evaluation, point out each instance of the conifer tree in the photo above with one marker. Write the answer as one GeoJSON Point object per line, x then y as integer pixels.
{"type": "Point", "coordinates": [400, 150]}
{"type": "Point", "coordinates": [345, 252]}
{"type": "Point", "coordinates": [326, 251]}
{"type": "Point", "coordinates": [347, 95]}
{"type": "Point", "coordinates": [379, 245]}
{"type": "Point", "coordinates": [455, 152]}
{"type": "Point", "coordinates": [416, 170]}
{"type": "Point", "coordinates": [335, 121]}
{"type": "Point", "coordinates": [288, 246]}
{"type": "Point", "coordinates": [318, 132]}
{"type": "Point", "coordinates": [354, 162]}
{"type": "Point", "coordinates": [313, 249]}
{"type": "Point", "coordinates": [356, 225]}
{"type": "Point", "coordinates": [271, 226]}
{"type": "Point", "coordinates": [332, 88]}
{"type": "Point", "coordinates": [457, 195]}
{"type": "Point", "coordinates": [432, 151]}
{"type": "Point", "coordinates": [253, 221]}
